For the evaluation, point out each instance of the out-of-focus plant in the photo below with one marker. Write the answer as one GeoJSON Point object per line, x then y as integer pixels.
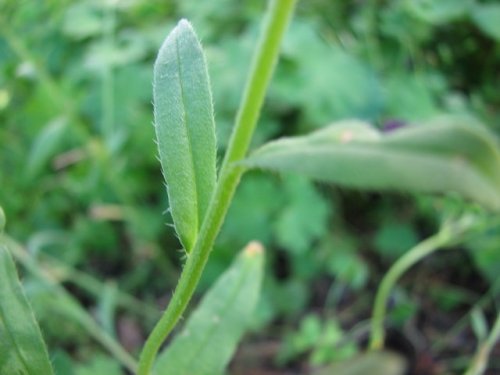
{"type": "Point", "coordinates": [438, 156]}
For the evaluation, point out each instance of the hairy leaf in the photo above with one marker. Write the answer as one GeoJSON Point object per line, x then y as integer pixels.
{"type": "Point", "coordinates": [185, 129]}
{"type": "Point", "coordinates": [211, 334]}
{"type": "Point", "coordinates": [22, 350]}
{"type": "Point", "coordinates": [446, 155]}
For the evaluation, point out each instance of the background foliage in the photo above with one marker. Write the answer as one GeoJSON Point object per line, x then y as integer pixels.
{"type": "Point", "coordinates": [80, 180]}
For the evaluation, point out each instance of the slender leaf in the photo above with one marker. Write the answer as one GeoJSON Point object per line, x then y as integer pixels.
{"type": "Point", "coordinates": [442, 156]}
{"type": "Point", "coordinates": [210, 336]}
{"type": "Point", "coordinates": [185, 129]}
{"type": "Point", "coordinates": [65, 305]}
{"type": "Point", "coordinates": [22, 350]}
{"type": "Point", "coordinates": [45, 145]}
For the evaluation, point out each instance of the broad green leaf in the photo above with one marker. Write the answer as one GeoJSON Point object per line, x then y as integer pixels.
{"type": "Point", "coordinates": [442, 156]}
{"type": "Point", "coordinates": [487, 18]}
{"type": "Point", "coordinates": [185, 129]}
{"type": "Point", "coordinates": [207, 342]}
{"type": "Point", "coordinates": [22, 350]}
{"type": "Point", "coordinates": [373, 363]}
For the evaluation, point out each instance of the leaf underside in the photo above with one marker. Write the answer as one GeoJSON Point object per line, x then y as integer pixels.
{"type": "Point", "coordinates": [211, 334]}
{"type": "Point", "coordinates": [22, 350]}
{"type": "Point", "coordinates": [185, 129]}
{"type": "Point", "coordinates": [443, 156]}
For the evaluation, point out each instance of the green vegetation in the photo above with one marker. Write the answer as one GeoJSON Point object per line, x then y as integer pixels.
{"type": "Point", "coordinates": [368, 104]}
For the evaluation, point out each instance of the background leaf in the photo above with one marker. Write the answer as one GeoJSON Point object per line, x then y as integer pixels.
{"type": "Point", "coordinates": [442, 156]}
{"type": "Point", "coordinates": [22, 350]}
{"type": "Point", "coordinates": [487, 18]}
{"type": "Point", "coordinates": [185, 129]}
{"type": "Point", "coordinates": [211, 334]}
{"type": "Point", "coordinates": [45, 145]}
{"type": "Point", "coordinates": [374, 363]}
{"type": "Point", "coordinates": [439, 11]}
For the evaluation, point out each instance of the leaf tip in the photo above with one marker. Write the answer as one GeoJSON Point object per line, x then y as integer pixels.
{"type": "Point", "coordinates": [253, 249]}
{"type": "Point", "coordinates": [184, 24]}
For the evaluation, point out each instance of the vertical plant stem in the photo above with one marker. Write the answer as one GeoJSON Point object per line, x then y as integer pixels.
{"type": "Point", "coordinates": [421, 250]}
{"type": "Point", "coordinates": [265, 58]}
{"type": "Point", "coordinates": [480, 360]}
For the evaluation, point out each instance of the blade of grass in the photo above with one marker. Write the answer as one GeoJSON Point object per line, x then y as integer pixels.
{"type": "Point", "coordinates": [22, 349]}
{"type": "Point", "coordinates": [71, 307]}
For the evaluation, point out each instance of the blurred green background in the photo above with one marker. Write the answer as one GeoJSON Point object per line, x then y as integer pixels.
{"type": "Point", "coordinates": [80, 181]}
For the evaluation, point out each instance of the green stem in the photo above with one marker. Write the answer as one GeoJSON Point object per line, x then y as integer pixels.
{"type": "Point", "coordinates": [277, 20]}
{"type": "Point", "coordinates": [421, 250]}
{"type": "Point", "coordinates": [480, 361]}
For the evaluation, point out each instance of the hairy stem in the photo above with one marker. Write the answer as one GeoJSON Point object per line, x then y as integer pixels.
{"type": "Point", "coordinates": [275, 24]}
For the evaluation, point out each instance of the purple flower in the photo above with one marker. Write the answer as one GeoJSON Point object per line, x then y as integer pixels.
{"type": "Point", "coordinates": [393, 124]}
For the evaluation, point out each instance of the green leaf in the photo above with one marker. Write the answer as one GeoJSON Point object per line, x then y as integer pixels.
{"type": "Point", "coordinates": [185, 129]}
{"type": "Point", "coordinates": [303, 219]}
{"type": "Point", "coordinates": [45, 145]}
{"type": "Point", "coordinates": [439, 12]}
{"type": "Point", "coordinates": [487, 18]}
{"type": "Point", "coordinates": [82, 20]}
{"type": "Point", "coordinates": [211, 334]}
{"type": "Point", "coordinates": [257, 201]}
{"type": "Point", "coordinates": [357, 92]}
{"type": "Point", "coordinates": [411, 97]}
{"type": "Point", "coordinates": [373, 363]}
{"type": "Point", "coordinates": [99, 365]}
{"type": "Point", "coordinates": [22, 350]}
{"type": "Point", "coordinates": [394, 238]}
{"type": "Point", "coordinates": [442, 156]}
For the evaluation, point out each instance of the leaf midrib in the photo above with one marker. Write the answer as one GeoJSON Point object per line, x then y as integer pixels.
{"type": "Point", "coordinates": [188, 136]}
